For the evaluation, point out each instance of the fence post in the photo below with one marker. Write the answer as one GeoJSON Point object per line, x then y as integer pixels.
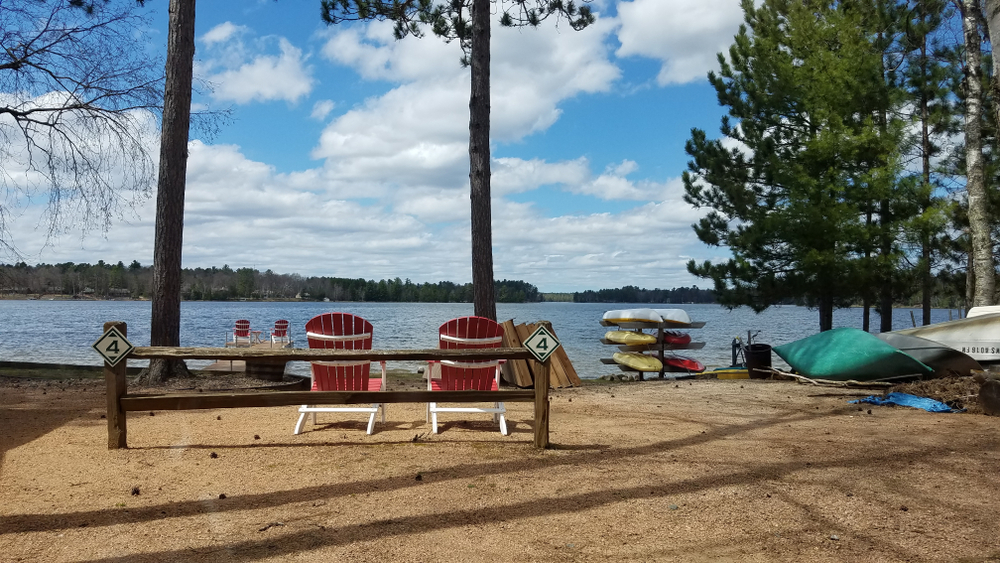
{"type": "Point", "coordinates": [114, 377]}
{"type": "Point", "coordinates": [541, 372]}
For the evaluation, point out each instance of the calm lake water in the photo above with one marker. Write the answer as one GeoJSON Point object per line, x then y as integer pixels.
{"type": "Point", "coordinates": [63, 331]}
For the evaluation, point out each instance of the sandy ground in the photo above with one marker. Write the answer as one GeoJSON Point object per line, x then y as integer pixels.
{"type": "Point", "coordinates": [703, 470]}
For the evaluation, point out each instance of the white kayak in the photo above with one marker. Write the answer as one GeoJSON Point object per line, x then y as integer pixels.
{"type": "Point", "coordinates": [672, 316]}
{"type": "Point", "coordinates": [633, 316]}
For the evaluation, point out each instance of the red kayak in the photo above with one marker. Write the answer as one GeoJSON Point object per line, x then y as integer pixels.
{"type": "Point", "coordinates": [676, 338]}
{"type": "Point", "coordinates": [682, 364]}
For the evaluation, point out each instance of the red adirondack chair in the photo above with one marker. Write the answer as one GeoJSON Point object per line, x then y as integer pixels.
{"type": "Point", "coordinates": [342, 331]}
{"type": "Point", "coordinates": [240, 334]}
{"type": "Point", "coordinates": [281, 333]}
{"type": "Point", "coordinates": [466, 333]}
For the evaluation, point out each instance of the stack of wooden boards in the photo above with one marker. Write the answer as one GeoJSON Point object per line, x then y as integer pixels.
{"type": "Point", "coordinates": [519, 372]}
{"type": "Point", "coordinates": [647, 352]}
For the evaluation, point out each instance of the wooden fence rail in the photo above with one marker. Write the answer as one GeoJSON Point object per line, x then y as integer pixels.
{"type": "Point", "coordinates": [121, 402]}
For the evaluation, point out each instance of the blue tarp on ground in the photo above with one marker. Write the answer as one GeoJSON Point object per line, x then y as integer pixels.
{"type": "Point", "coordinates": [907, 400]}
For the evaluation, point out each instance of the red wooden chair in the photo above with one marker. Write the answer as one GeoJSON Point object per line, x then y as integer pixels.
{"type": "Point", "coordinates": [240, 334]}
{"type": "Point", "coordinates": [280, 333]}
{"type": "Point", "coordinates": [342, 331]}
{"type": "Point", "coordinates": [466, 333]}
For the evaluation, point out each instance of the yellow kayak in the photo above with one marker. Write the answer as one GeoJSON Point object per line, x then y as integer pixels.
{"type": "Point", "coordinates": [629, 338]}
{"type": "Point", "coordinates": [731, 373]}
{"type": "Point", "coordinates": [637, 361]}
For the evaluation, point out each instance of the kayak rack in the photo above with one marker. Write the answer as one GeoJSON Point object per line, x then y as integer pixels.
{"type": "Point", "coordinates": [660, 347]}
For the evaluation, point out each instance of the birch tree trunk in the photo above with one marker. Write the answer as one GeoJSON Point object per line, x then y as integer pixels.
{"type": "Point", "coordinates": [165, 325]}
{"type": "Point", "coordinates": [993, 23]}
{"type": "Point", "coordinates": [479, 163]}
{"type": "Point", "coordinates": [982, 247]}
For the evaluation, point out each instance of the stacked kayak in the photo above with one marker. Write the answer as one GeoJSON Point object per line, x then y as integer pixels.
{"type": "Point", "coordinates": [647, 339]}
{"type": "Point", "coordinates": [629, 338]}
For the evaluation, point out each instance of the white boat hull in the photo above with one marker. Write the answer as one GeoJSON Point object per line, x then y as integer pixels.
{"type": "Point", "coordinates": [978, 336]}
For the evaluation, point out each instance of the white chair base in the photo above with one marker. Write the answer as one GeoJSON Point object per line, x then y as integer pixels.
{"type": "Point", "coordinates": [498, 411]}
{"type": "Point", "coordinates": [373, 410]}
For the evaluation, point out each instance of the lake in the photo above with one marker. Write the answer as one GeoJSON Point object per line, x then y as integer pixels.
{"type": "Point", "coordinates": [63, 331]}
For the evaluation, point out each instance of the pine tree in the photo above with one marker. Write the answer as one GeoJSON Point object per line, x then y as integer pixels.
{"type": "Point", "coordinates": [927, 75]}
{"type": "Point", "coordinates": [810, 112]}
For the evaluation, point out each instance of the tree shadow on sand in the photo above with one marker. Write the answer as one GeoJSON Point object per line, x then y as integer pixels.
{"type": "Point", "coordinates": [763, 470]}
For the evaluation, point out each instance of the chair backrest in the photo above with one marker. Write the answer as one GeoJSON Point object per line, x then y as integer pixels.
{"type": "Point", "coordinates": [242, 328]}
{"type": "Point", "coordinates": [341, 331]}
{"type": "Point", "coordinates": [467, 333]}
{"type": "Point", "coordinates": [280, 328]}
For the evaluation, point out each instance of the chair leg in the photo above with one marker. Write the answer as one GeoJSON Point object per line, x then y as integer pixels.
{"type": "Point", "coordinates": [371, 420]}
{"type": "Point", "coordinates": [503, 420]}
{"type": "Point", "coordinates": [434, 417]}
{"type": "Point", "coordinates": [302, 417]}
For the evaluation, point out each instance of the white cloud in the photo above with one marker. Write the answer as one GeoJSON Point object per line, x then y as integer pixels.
{"type": "Point", "coordinates": [417, 133]}
{"type": "Point", "coordinates": [513, 175]}
{"type": "Point", "coordinates": [222, 32]}
{"type": "Point", "coordinates": [685, 34]}
{"type": "Point", "coordinates": [243, 213]}
{"type": "Point", "coordinates": [244, 72]}
{"type": "Point", "coordinates": [321, 109]}
{"type": "Point", "coordinates": [391, 196]}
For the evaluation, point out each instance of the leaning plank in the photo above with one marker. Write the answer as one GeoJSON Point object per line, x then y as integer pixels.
{"type": "Point", "coordinates": [522, 334]}
{"type": "Point", "coordinates": [561, 359]}
{"type": "Point", "coordinates": [557, 377]}
{"type": "Point", "coordinates": [306, 354]}
{"type": "Point", "coordinates": [556, 368]}
{"type": "Point", "coordinates": [520, 374]}
{"type": "Point", "coordinates": [283, 398]}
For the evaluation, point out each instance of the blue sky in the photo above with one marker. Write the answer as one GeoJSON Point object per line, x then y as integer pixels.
{"type": "Point", "coordinates": [347, 152]}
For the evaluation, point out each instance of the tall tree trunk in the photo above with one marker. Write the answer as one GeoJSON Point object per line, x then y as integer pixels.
{"type": "Point", "coordinates": [165, 324]}
{"type": "Point", "coordinates": [886, 271]}
{"type": "Point", "coordinates": [479, 164]}
{"type": "Point", "coordinates": [982, 247]}
{"type": "Point", "coordinates": [825, 311]}
{"type": "Point", "coordinates": [993, 23]}
{"type": "Point", "coordinates": [927, 281]}
{"type": "Point", "coordinates": [970, 279]}
{"type": "Point", "coordinates": [866, 302]}
{"type": "Point", "coordinates": [886, 268]}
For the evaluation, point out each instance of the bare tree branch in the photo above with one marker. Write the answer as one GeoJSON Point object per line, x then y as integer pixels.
{"type": "Point", "coordinates": [80, 96]}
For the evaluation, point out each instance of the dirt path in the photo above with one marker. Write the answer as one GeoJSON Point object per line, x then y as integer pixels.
{"type": "Point", "coordinates": [654, 471]}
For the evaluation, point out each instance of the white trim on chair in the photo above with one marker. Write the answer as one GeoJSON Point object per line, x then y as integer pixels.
{"type": "Point", "coordinates": [472, 341]}
{"type": "Point", "coordinates": [338, 338]}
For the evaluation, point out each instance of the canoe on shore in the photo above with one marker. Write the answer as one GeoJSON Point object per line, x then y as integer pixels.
{"type": "Point", "coordinates": [944, 360]}
{"type": "Point", "coordinates": [845, 354]}
{"type": "Point", "coordinates": [977, 336]}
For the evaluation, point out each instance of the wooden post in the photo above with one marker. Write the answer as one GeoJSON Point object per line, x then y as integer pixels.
{"type": "Point", "coordinates": [114, 377]}
{"type": "Point", "coordinates": [541, 370]}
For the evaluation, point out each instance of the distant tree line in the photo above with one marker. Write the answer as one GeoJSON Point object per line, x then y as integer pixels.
{"type": "Point", "coordinates": [632, 294]}
{"type": "Point", "coordinates": [109, 281]}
